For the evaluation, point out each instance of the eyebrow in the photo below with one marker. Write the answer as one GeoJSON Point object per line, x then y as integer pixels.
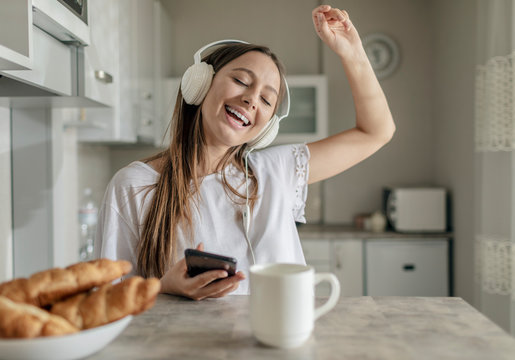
{"type": "Point", "coordinates": [251, 73]}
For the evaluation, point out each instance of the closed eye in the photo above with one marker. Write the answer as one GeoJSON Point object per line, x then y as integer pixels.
{"type": "Point", "coordinates": [266, 102]}
{"type": "Point", "coordinates": [238, 81]}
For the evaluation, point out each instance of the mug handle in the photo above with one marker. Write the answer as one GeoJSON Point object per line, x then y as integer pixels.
{"type": "Point", "coordinates": [335, 293]}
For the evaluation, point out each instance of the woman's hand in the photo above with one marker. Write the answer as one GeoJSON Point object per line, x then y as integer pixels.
{"type": "Point", "coordinates": [177, 282]}
{"type": "Point", "coordinates": [335, 29]}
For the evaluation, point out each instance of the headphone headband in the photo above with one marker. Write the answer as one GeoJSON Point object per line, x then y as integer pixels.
{"type": "Point", "coordinates": [197, 58]}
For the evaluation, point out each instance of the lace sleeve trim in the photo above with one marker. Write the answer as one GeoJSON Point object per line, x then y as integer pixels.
{"type": "Point", "coordinates": [301, 154]}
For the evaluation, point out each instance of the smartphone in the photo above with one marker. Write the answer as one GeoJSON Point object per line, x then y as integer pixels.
{"type": "Point", "coordinates": [200, 261]}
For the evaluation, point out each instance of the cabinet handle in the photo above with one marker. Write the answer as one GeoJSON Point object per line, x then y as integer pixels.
{"type": "Point", "coordinates": [408, 267]}
{"type": "Point", "coordinates": [103, 76]}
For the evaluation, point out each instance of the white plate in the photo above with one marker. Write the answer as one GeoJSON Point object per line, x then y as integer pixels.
{"type": "Point", "coordinates": [66, 347]}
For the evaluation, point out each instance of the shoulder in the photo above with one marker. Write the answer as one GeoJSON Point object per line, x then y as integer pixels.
{"type": "Point", "coordinates": [136, 173]}
{"type": "Point", "coordinates": [129, 182]}
{"type": "Point", "coordinates": [277, 156]}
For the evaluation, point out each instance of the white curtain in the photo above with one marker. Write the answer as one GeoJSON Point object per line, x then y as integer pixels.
{"type": "Point", "coordinates": [495, 160]}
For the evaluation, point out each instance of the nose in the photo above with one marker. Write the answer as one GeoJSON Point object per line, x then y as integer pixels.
{"type": "Point", "coordinates": [250, 98]}
{"type": "Point", "coordinates": [251, 104]}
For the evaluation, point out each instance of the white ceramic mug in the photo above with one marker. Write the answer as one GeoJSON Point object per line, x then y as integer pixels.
{"type": "Point", "coordinates": [282, 302]}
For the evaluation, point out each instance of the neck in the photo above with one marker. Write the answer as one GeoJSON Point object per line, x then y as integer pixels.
{"type": "Point", "coordinates": [213, 157]}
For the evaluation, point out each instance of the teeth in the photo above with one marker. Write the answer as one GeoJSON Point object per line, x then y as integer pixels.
{"type": "Point", "coordinates": [240, 116]}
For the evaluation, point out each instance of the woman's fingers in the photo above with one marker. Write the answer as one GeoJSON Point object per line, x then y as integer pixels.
{"type": "Point", "coordinates": [218, 289]}
{"type": "Point", "coordinates": [321, 25]}
{"type": "Point", "coordinates": [208, 277]}
{"type": "Point", "coordinates": [334, 15]}
{"type": "Point", "coordinates": [226, 291]}
{"type": "Point", "coordinates": [331, 14]}
{"type": "Point", "coordinates": [204, 285]}
{"type": "Point", "coordinates": [321, 8]}
{"type": "Point", "coordinates": [326, 17]}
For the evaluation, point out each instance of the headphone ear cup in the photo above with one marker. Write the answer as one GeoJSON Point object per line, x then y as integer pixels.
{"type": "Point", "coordinates": [196, 82]}
{"type": "Point", "coordinates": [267, 136]}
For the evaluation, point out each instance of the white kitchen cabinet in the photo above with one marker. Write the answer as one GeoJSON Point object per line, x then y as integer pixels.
{"type": "Point", "coordinates": [51, 71]}
{"type": "Point", "coordinates": [146, 30]}
{"type": "Point", "coordinates": [317, 254]}
{"type": "Point", "coordinates": [131, 50]}
{"type": "Point", "coordinates": [15, 35]}
{"type": "Point", "coordinates": [307, 120]}
{"type": "Point", "coordinates": [347, 265]}
{"type": "Point", "coordinates": [341, 257]}
{"type": "Point", "coordinates": [394, 266]}
{"type": "Point", "coordinates": [101, 57]}
{"type": "Point", "coordinates": [408, 267]}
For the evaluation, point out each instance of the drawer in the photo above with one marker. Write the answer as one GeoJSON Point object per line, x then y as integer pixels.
{"type": "Point", "coordinates": [316, 250]}
{"type": "Point", "coordinates": [407, 268]}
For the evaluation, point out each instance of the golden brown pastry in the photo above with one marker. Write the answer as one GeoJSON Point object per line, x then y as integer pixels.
{"type": "Point", "coordinates": [109, 303]}
{"type": "Point", "coordinates": [48, 286]}
{"type": "Point", "coordinates": [27, 321]}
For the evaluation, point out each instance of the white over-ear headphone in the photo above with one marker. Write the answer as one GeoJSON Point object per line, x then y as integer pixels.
{"type": "Point", "coordinates": [196, 82]}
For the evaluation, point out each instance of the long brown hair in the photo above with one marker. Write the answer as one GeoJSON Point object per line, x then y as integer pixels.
{"type": "Point", "coordinates": [179, 181]}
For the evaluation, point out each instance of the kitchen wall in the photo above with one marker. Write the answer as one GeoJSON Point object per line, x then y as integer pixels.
{"type": "Point", "coordinates": [453, 114]}
{"type": "Point", "coordinates": [94, 170]}
{"type": "Point", "coordinates": [6, 265]}
{"type": "Point", "coordinates": [65, 177]}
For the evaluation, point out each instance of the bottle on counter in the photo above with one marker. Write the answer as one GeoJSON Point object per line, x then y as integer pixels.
{"type": "Point", "coordinates": [88, 213]}
{"type": "Point", "coordinates": [377, 222]}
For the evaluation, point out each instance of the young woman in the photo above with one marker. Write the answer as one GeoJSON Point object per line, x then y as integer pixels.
{"type": "Point", "coordinates": [208, 190]}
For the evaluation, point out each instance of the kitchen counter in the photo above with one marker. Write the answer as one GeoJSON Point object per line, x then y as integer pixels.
{"type": "Point", "coordinates": [342, 232]}
{"type": "Point", "coordinates": [380, 328]}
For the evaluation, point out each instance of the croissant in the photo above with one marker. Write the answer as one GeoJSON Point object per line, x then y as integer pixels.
{"type": "Point", "coordinates": [27, 321]}
{"type": "Point", "coordinates": [109, 302]}
{"type": "Point", "coordinates": [48, 286]}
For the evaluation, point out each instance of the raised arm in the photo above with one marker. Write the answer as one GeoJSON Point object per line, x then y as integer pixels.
{"type": "Point", "coordinates": [374, 122]}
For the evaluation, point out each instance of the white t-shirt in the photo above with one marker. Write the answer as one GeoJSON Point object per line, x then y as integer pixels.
{"type": "Point", "coordinates": [282, 173]}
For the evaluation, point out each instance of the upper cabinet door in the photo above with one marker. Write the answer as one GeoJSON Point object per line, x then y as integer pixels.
{"type": "Point", "coordinates": [101, 57]}
{"type": "Point", "coordinates": [134, 33]}
{"type": "Point", "coordinates": [15, 35]}
{"type": "Point", "coordinates": [307, 120]}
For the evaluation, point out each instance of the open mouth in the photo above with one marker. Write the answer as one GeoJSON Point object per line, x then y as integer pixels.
{"type": "Point", "coordinates": [237, 116]}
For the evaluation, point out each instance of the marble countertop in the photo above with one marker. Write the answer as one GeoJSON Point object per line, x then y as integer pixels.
{"type": "Point", "coordinates": [342, 232]}
{"type": "Point", "coordinates": [380, 328]}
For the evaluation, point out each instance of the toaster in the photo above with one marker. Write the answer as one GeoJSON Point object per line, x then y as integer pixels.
{"type": "Point", "coordinates": [416, 209]}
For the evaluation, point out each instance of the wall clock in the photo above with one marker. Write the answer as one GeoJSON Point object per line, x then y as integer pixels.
{"type": "Point", "coordinates": [383, 53]}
